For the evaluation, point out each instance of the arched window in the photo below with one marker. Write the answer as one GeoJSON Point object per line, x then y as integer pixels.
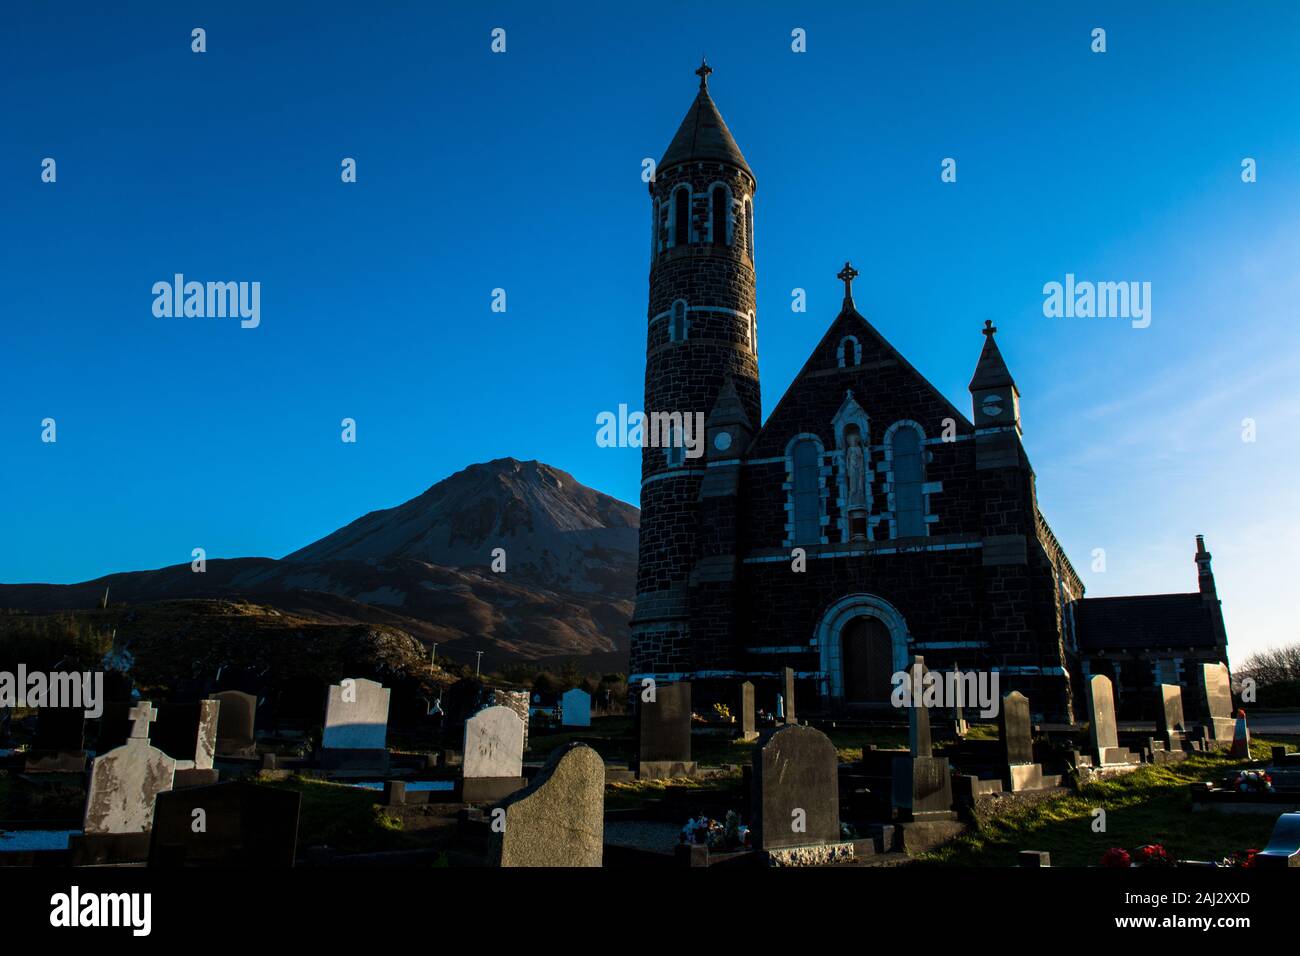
{"type": "Point", "coordinates": [908, 476]}
{"type": "Point", "coordinates": [720, 204]}
{"type": "Point", "coordinates": [682, 216]}
{"type": "Point", "coordinates": [806, 492]}
{"type": "Point", "coordinates": [677, 322]}
{"type": "Point", "coordinates": [850, 352]}
{"type": "Point", "coordinates": [749, 227]}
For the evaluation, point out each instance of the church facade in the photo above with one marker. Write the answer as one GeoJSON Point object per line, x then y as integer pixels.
{"type": "Point", "coordinates": [869, 518]}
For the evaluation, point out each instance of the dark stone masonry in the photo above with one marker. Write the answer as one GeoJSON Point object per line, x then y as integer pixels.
{"type": "Point", "coordinates": [868, 519]}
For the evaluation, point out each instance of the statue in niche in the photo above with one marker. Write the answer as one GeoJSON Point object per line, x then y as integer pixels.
{"type": "Point", "coordinates": [856, 470]}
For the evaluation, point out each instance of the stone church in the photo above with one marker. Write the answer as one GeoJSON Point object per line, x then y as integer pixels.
{"type": "Point", "coordinates": [916, 525]}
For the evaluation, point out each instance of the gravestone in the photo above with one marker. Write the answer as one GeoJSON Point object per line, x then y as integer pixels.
{"type": "Point", "coordinates": [1103, 732]}
{"type": "Point", "coordinates": [125, 781]}
{"type": "Point", "coordinates": [559, 818]}
{"type": "Point", "coordinates": [493, 755]}
{"type": "Point", "coordinates": [922, 783]}
{"type": "Point", "coordinates": [1016, 728]}
{"type": "Point", "coordinates": [795, 798]}
{"type": "Point", "coordinates": [355, 736]}
{"type": "Point", "coordinates": [1017, 738]}
{"type": "Point", "coordinates": [745, 711]}
{"type": "Point", "coordinates": [1283, 848]}
{"type": "Point", "coordinates": [1216, 703]}
{"type": "Point", "coordinates": [664, 733]}
{"type": "Point", "coordinates": [1170, 721]}
{"type": "Point", "coordinates": [236, 736]}
{"type": "Point", "coordinates": [241, 824]}
{"type": "Point", "coordinates": [575, 708]}
{"type": "Point", "coordinates": [516, 700]}
{"type": "Point", "coordinates": [787, 684]}
{"type": "Point", "coordinates": [59, 744]}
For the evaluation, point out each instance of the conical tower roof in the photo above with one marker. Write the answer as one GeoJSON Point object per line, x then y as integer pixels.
{"type": "Point", "coordinates": [992, 371]}
{"type": "Point", "coordinates": [703, 136]}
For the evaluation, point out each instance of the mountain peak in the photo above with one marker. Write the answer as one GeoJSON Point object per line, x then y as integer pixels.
{"type": "Point", "coordinates": [555, 530]}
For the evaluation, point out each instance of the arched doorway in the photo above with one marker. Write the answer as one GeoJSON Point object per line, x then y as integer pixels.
{"type": "Point", "coordinates": [867, 656]}
{"type": "Point", "coordinates": [863, 641]}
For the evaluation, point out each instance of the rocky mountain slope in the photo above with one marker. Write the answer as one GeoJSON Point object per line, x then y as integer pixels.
{"type": "Point", "coordinates": [425, 566]}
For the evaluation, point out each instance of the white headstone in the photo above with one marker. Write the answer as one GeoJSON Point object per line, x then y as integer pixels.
{"type": "Point", "coordinates": [125, 781]}
{"type": "Point", "coordinates": [494, 744]}
{"type": "Point", "coordinates": [575, 708]}
{"type": "Point", "coordinates": [356, 716]}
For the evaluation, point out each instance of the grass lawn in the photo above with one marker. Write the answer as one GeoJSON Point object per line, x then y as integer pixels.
{"type": "Point", "coordinates": [1151, 805]}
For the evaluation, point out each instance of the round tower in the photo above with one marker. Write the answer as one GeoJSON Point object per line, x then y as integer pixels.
{"type": "Point", "coordinates": [702, 333]}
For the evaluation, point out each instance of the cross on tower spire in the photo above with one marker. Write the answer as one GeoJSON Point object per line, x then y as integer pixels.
{"type": "Point", "coordinates": [703, 73]}
{"type": "Point", "coordinates": [847, 275]}
{"type": "Point", "coordinates": [989, 328]}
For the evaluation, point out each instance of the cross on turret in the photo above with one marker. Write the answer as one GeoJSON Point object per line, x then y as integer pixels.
{"type": "Point", "coordinates": [141, 716]}
{"type": "Point", "coordinates": [989, 327]}
{"type": "Point", "coordinates": [703, 73]}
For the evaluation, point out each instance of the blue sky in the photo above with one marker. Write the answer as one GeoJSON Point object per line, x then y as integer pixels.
{"type": "Point", "coordinates": [522, 171]}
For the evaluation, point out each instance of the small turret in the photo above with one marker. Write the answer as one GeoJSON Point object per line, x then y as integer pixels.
{"type": "Point", "coordinates": [994, 396]}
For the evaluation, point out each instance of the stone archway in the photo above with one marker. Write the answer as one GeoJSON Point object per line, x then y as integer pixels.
{"type": "Point", "coordinates": [859, 636]}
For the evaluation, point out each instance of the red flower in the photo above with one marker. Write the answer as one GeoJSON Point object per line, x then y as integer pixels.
{"type": "Point", "coordinates": [1116, 856]}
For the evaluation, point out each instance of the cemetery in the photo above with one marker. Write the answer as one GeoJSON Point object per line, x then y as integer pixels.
{"type": "Point", "coordinates": [496, 776]}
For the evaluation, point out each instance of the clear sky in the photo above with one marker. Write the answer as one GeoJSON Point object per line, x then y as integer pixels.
{"type": "Point", "coordinates": [522, 171]}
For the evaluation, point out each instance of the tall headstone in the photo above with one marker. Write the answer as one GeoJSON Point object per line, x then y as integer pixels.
{"type": "Point", "coordinates": [242, 825]}
{"type": "Point", "coordinates": [575, 708]}
{"type": "Point", "coordinates": [664, 733]}
{"type": "Point", "coordinates": [356, 726]}
{"type": "Point", "coordinates": [1170, 721]}
{"type": "Point", "coordinates": [745, 711]}
{"type": "Point", "coordinates": [1017, 729]}
{"type": "Point", "coordinates": [922, 783]}
{"type": "Point", "coordinates": [125, 781]}
{"type": "Point", "coordinates": [787, 684]}
{"type": "Point", "coordinates": [919, 742]}
{"type": "Point", "coordinates": [559, 818]}
{"type": "Point", "coordinates": [795, 789]}
{"type": "Point", "coordinates": [493, 755]}
{"type": "Point", "coordinates": [1017, 739]}
{"type": "Point", "coordinates": [235, 724]}
{"type": "Point", "coordinates": [1103, 732]}
{"type": "Point", "coordinates": [1216, 703]}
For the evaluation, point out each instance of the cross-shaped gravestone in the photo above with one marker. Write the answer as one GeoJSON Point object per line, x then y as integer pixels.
{"type": "Point", "coordinates": [141, 716]}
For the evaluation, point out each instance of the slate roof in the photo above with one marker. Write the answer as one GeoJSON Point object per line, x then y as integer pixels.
{"type": "Point", "coordinates": [1146, 621]}
{"type": "Point", "coordinates": [991, 370]}
{"type": "Point", "coordinates": [703, 136]}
